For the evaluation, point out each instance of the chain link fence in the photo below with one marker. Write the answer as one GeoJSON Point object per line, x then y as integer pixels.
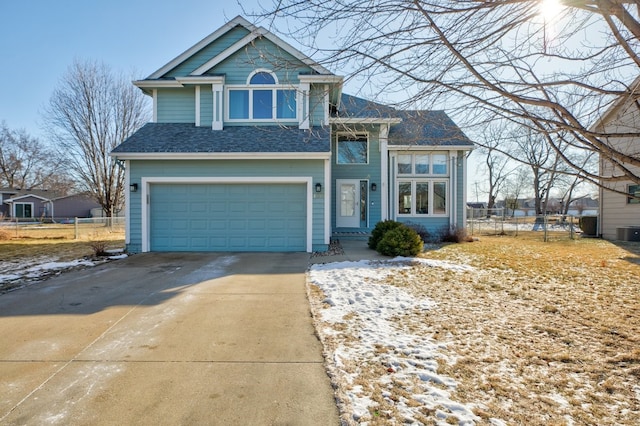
{"type": "Point", "coordinates": [482, 221]}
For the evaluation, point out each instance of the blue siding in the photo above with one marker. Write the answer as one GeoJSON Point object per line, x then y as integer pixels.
{"type": "Point", "coordinates": [208, 52]}
{"type": "Point", "coordinates": [316, 105]}
{"type": "Point", "coordinates": [177, 105]}
{"type": "Point", "coordinates": [206, 106]}
{"type": "Point", "coordinates": [224, 168]}
{"type": "Point", "coordinates": [261, 54]}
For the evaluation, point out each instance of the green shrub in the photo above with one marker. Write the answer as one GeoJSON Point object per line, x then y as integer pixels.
{"type": "Point", "coordinates": [400, 241]}
{"type": "Point", "coordinates": [379, 231]}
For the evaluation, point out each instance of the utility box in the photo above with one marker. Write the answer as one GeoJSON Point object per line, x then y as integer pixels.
{"type": "Point", "coordinates": [628, 233]}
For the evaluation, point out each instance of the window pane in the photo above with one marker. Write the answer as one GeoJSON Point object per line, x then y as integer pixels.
{"type": "Point", "coordinates": [404, 198]}
{"type": "Point", "coordinates": [439, 164]}
{"type": "Point", "coordinates": [439, 198]}
{"type": "Point", "coordinates": [422, 198]}
{"type": "Point", "coordinates": [404, 164]}
{"type": "Point", "coordinates": [238, 104]}
{"type": "Point", "coordinates": [422, 164]}
{"type": "Point", "coordinates": [352, 150]}
{"type": "Point", "coordinates": [262, 78]}
{"type": "Point", "coordinates": [262, 104]}
{"type": "Point", "coordinates": [635, 191]}
{"type": "Point", "coordinates": [286, 104]}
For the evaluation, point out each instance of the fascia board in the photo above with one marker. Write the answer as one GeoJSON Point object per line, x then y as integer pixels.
{"type": "Point", "coordinates": [222, 156]}
{"type": "Point", "coordinates": [363, 120]}
{"type": "Point", "coordinates": [11, 200]}
{"type": "Point", "coordinates": [614, 106]}
{"type": "Point", "coordinates": [321, 78]}
{"type": "Point", "coordinates": [415, 147]}
{"type": "Point", "coordinates": [201, 80]}
{"type": "Point", "coordinates": [238, 20]}
{"type": "Point", "coordinates": [156, 84]}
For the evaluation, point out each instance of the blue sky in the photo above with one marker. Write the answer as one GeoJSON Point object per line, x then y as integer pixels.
{"type": "Point", "coordinates": [39, 40]}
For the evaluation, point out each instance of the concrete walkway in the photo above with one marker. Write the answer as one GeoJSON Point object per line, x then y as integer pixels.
{"type": "Point", "coordinates": [350, 251]}
{"type": "Point", "coordinates": [166, 339]}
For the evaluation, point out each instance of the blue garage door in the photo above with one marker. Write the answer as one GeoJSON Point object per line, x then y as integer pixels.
{"type": "Point", "coordinates": [228, 217]}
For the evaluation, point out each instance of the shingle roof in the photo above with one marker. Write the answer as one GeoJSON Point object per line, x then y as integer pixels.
{"type": "Point", "coordinates": [187, 138]}
{"type": "Point", "coordinates": [419, 127]}
{"type": "Point", "coordinates": [355, 107]}
{"type": "Point", "coordinates": [432, 128]}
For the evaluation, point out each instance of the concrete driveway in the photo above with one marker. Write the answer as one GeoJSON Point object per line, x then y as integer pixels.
{"type": "Point", "coordinates": [166, 339]}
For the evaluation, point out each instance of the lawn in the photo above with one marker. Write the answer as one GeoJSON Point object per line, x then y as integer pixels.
{"type": "Point", "coordinates": [33, 245]}
{"type": "Point", "coordinates": [526, 332]}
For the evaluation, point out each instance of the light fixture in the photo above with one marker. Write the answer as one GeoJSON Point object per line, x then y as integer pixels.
{"type": "Point", "coordinates": [318, 187]}
{"type": "Point", "coordinates": [374, 187]}
{"type": "Point", "coordinates": [133, 187]}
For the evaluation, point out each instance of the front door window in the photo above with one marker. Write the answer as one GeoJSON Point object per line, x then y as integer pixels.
{"type": "Point", "coordinates": [348, 203]}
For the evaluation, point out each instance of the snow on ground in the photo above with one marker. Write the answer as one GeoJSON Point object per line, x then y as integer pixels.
{"type": "Point", "coordinates": [16, 274]}
{"type": "Point", "coordinates": [357, 323]}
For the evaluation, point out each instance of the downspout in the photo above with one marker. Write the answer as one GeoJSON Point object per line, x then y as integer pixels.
{"type": "Point", "coordinates": [453, 216]}
{"type": "Point", "coordinates": [384, 171]}
{"type": "Point", "coordinates": [464, 190]}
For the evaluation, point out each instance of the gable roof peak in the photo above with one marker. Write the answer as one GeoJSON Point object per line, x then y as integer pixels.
{"type": "Point", "coordinates": [254, 32]}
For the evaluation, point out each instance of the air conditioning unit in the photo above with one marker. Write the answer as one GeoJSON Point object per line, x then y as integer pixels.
{"type": "Point", "coordinates": [628, 233]}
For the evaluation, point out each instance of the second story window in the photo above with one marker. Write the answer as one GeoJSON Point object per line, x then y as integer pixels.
{"type": "Point", "coordinates": [262, 99]}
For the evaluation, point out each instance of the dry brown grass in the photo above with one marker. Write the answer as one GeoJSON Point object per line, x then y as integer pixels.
{"type": "Point", "coordinates": [31, 245]}
{"type": "Point", "coordinates": [544, 332]}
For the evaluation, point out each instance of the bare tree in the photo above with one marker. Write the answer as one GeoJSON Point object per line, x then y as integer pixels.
{"type": "Point", "coordinates": [489, 59]}
{"type": "Point", "coordinates": [569, 185]}
{"type": "Point", "coordinates": [25, 162]}
{"type": "Point", "coordinates": [544, 164]}
{"type": "Point", "coordinates": [90, 113]}
{"type": "Point", "coordinates": [514, 188]}
{"type": "Point", "coordinates": [496, 166]}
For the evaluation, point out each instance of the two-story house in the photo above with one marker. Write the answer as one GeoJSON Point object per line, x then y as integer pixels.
{"type": "Point", "coordinates": [254, 147]}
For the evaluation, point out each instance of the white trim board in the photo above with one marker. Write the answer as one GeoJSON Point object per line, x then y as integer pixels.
{"type": "Point", "coordinates": [222, 155]}
{"type": "Point", "coordinates": [146, 183]}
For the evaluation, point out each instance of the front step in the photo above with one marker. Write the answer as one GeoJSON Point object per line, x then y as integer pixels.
{"type": "Point", "coordinates": [353, 236]}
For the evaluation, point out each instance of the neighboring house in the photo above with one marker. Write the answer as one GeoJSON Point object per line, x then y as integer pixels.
{"type": "Point", "coordinates": [23, 203]}
{"type": "Point", "coordinates": [42, 204]}
{"type": "Point", "coordinates": [71, 206]}
{"type": "Point", "coordinates": [618, 211]}
{"type": "Point", "coordinates": [254, 147]}
{"type": "Point", "coordinates": [584, 206]}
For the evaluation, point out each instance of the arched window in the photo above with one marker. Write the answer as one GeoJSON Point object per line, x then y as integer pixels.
{"type": "Point", "coordinates": [262, 77]}
{"type": "Point", "coordinates": [258, 101]}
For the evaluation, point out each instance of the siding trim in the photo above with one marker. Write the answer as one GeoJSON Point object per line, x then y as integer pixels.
{"type": "Point", "coordinates": [222, 155]}
{"type": "Point", "coordinates": [197, 106]}
{"type": "Point", "coordinates": [149, 180]}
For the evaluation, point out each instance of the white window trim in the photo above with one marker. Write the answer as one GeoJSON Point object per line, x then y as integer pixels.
{"type": "Point", "coordinates": [414, 180]}
{"type": "Point", "coordinates": [274, 96]}
{"type": "Point", "coordinates": [413, 165]}
{"type": "Point", "coordinates": [262, 70]}
{"type": "Point", "coordinates": [357, 134]}
{"type": "Point", "coordinates": [15, 203]}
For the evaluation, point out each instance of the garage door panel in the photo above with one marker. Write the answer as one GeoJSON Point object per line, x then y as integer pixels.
{"type": "Point", "coordinates": [228, 217]}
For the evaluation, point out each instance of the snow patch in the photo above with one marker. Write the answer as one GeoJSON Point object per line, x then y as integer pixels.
{"type": "Point", "coordinates": [361, 305]}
